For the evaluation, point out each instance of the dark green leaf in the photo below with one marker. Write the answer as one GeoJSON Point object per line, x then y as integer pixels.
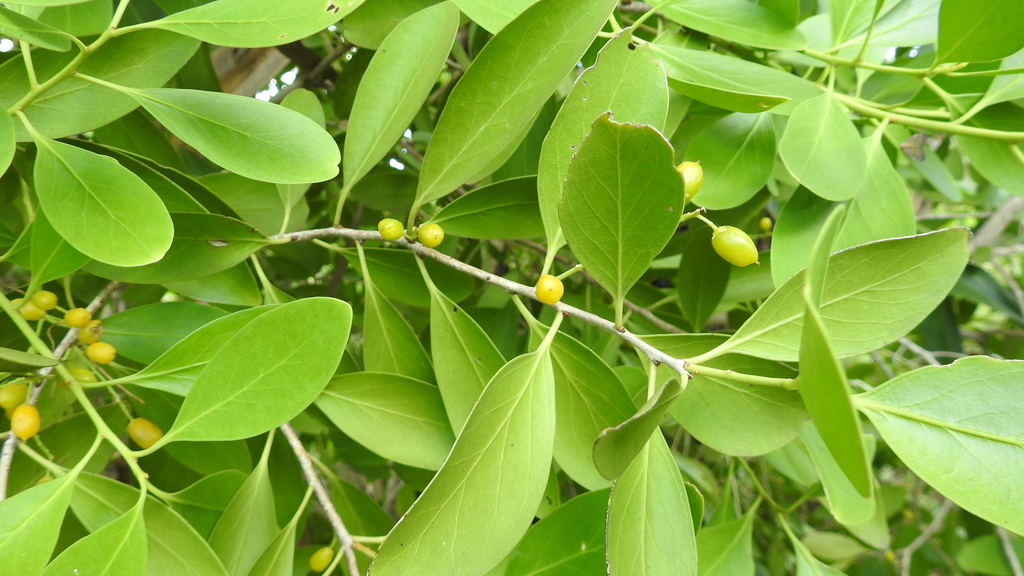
{"type": "Point", "coordinates": [18, 361]}
{"type": "Point", "coordinates": [503, 210]}
{"type": "Point", "coordinates": [145, 333]}
{"type": "Point", "coordinates": [248, 523]}
{"type": "Point", "coordinates": [202, 503]}
{"type": "Point", "coordinates": [570, 540]}
{"type": "Point", "coordinates": [390, 345]}
{"type": "Point", "coordinates": [702, 277]}
{"type": "Point", "coordinates": [726, 549]}
{"type": "Point", "coordinates": [397, 276]}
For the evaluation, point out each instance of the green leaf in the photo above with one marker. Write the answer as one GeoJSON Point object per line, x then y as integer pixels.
{"type": "Point", "coordinates": [570, 540]}
{"type": "Point", "coordinates": [507, 83]}
{"type": "Point", "coordinates": [617, 446]}
{"type": "Point", "coordinates": [484, 497]}
{"type": "Point", "coordinates": [30, 522]}
{"type": "Point", "coordinates": [650, 530]}
{"type": "Point", "coordinates": [8, 144]}
{"type": "Point", "coordinates": [389, 343]}
{"type": "Point", "coordinates": [119, 547]}
{"type": "Point", "coordinates": [739, 21]}
{"type": "Point", "coordinates": [763, 418]}
{"type": "Point", "coordinates": [368, 25]}
{"type": "Point", "coordinates": [173, 547]}
{"type": "Point", "coordinates": [258, 203]}
{"type": "Point", "coordinates": [623, 80]}
{"type": "Point", "coordinates": [503, 210]}
{"type": "Point", "coordinates": [733, 83]}
{"type": "Point", "coordinates": [103, 210]}
{"type": "Point", "coordinates": [984, 555]}
{"type": "Point", "coordinates": [806, 563]}
{"type": "Point", "coordinates": [397, 276]}
{"type": "Point", "coordinates": [1006, 87]}
{"type": "Point", "coordinates": [248, 524]}
{"type": "Point", "coordinates": [52, 256]}
{"type": "Point", "coordinates": [202, 503]}
{"type": "Point", "coordinates": [702, 277]}
{"type": "Point", "coordinates": [18, 27]}
{"type": "Point", "coordinates": [996, 161]}
{"type": "Point", "coordinates": [178, 368]}
{"type": "Point", "coordinates": [726, 549]}
{"type": "Point", "coordinates": [978, 31]}
{"type": "Point", "coordinates": [817, 262]}
{"type": "Point", "coordinates": [822, 149]}
{"type": "Point", "coordinates": [465, 358]}
{"type": "Point", "coordinates": [204, 244]}
{"type": "Point", "coordinates": [48, 2]}
{"type": "Point", "coordinates": [848, 17]}
{"type": "Point", "coordinates": [18, 361]}
{"type": "Point", "coordinates": [146, 332]}
{"type": "Point", "coordinates": [886, 301]}
{"type": "Point", "coordinates": [253, 24]}
{"type": "Point", "coordinates": [395, 85]}
{"type": "Point", "coordinates": [845, 502]}
{"type": "Point", "coordinates": [493, 16]}
{"type": "Point", "coordinates": [798, 225]}
{"type": "Point", "coordinates": [300, 345]}
{"type": "Point", "coordinates": [737, 154]}
{"type": "Point", "coordinates": [235, 286]}
{"type": "Point", "coordinates": [279, 556]}
{"type": "Point", "coordinates": [85, 19]}
{"type": "Point", "coordinates": [957, 427]}
{"type": "Point", "coordinates": [399, 418]}
{"type": "Point", "coordinates": [247, 136]}
{"type": "Point", "coordinates": [621, 204]}
{"type": "Point", "coordinates": [146, 59]}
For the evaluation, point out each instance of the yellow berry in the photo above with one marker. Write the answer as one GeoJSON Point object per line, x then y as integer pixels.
{"type": "Point", "coordinates": [25, 421]}
{"type": "Point", "coordinates": [693, 177]}
{"type": "Point", "coordinates": [31, 312]}
{"type": "Point", "coordinates": [765, 224]}
{"type": "Point", "coordinates": [92, 332]}
{"type": "Point", "coordinates": [144, 433]}
{"type": "Point", "coordinates": [390, 229]}
{"type": "Point", "coordinates": [13, 395]}
{"type": "Point", "coordinates": [101, 352]}
{"type": "Point", "coordinates": [549, 289]}
{"type": "Point", "coordinates": [77, 317]}
{"type": "Point", "coordinates": [45, 300]}
{"type": "Point", "coordinates": [321, 559]}
{"type": "Point", "coordinates": [430, 235]}
{"type": "Point", "coordinates": [734, 246]}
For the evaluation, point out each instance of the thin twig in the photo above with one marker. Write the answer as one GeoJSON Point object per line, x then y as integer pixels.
{"type": "Point", "coordinates": [993, 228]}
{"type": "Point", "coordinates": [953, 216]}
{"type": "Point", "coordinates": [11, 443]}
{"type": "Point", "coordinates": [882, 364]}
{"type": "Point", "coordinates": [655, 355]}
{"type": "Point", "coordinates": [1011, 554]}
{"type": "Point", "coordinates": [321, 495]}
{"type": "Point", "coordinates": [916, 349]}
{"type": "Point", "coordinates": [925, 535]}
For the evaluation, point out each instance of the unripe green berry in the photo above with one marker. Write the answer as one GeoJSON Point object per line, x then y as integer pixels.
{"type": "Point", "coordinates": [430, 235]}
{"type": "Point", "coordinates": [734, 246]}
{"type": "Point", "coordinates": [693, 177]}
{"type": "Point", "coordinates": [321, 559]}
{"type": "Point", "coordinates": [765, 224]}
{"type": "Point", "coordinates": [390, 229]}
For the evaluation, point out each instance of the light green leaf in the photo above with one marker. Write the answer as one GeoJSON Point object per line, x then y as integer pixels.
{"type": "Point", "coordinates": [887, 301]}
{"type": "Point", "coordinates": [101, 209]}
{"type": "Point", "coordinates": [798, 225]}
{"type": "Point", "coordinates": [507, 83]}
{"type": "Point", "coordinates": [146, 332]}
{"type": "Point", "coordinates": [984, 555]}
{"type": "Point", "coordinates": [617, 446]}
{"type": "Point", "coordinates": [235, 286]}
{"type": "Point", "coordinates": [368, 25]}
{"type": "Point", "coordinates": [761, 418]}
{"type": "Point", "coordinates": [958, 428]}
{"type": "Point", "coordinates": [702, 277]}
{"type": "Point", "coordinates": [173, 547]}
{"type": "Point", "coordinates": [881, 209]}
{"type": "Point", "coordinates": [845, 502]}
{"type": "Point", "coordinates": [1008, 86]}
{"type": "Point", "coordinates": [793, 461]}
{"type": "Point", "coordinates": [19, 27]}
{"type": "Point", "coordinates": [307, 103]}
{"type": "Point", "coordinates": [300, 345]}
{"type": "Point", "coordinates": [279, 557]}
{"type": "Point", "coordinates": [996, 161]}
{"type": "Point", "coordinates": [247, 136]}
{"type": "Point", "coordinates": [739, 21]}
{"type": "Point", "coordinates": [30, 523]}
{"type": "Point", "coordinates": [395, 85]}
{"type": "Point", "coordinates": [493, 16]}
{"type": "Point", "coordinates": [621, 203]}
{"type": "Point", "coordinates": [503, 210]}
{"type": "Point", "coordinates": [570, 540]}
{"type": "Point", "coordinates": [817, 262]}
{"type": "Point", "coordinates": [806, 563]}
{"type": "Point", "coordinates": [484, 497]}
{"type": "Point", "coordinates": [650, 529]}
{"type": "Point", "coordinates": [848, 17]}
{"type": "Point", "coordinates": [822, 149]}
{"type": "Point", "coordinates": [85, 19]}
{"type": "Point", "coordinates": [248, 524]}
{"type": "Point", "coordinates": [623, 80]}
{"type": "Point", "coordinates": [733, 83]}
{"type": "Point", "coordinates": [389, 343]}
{"type": "Point", "coordinates": [47, 2]}
{"type": "Point", "coordinates": [737, 154]}
{"type": "Point", "coordinates": [726, 549]}
{"type": "Point", "coordinates": [202, 503]}
{"type": "Point", "coordinates": [18, 361]}
{"type": "Point", "coordinates": [399, 418]}
{"type": "Point", "coordinates": [119, 547]}
{"type": "Point", "coordinates": [8, 145]}
{"type": "Point", "coordinates": [397, 276]}
{"type": "Point", "coordinates": [978, 31]}
{"type": "Point", "coordinates": [146, 59]}
{"type": "Point", "coordinates": [255, 23]}
{"type": "Point", "coordinates": [178, 368]}
{"type": "Point", "coordinates": [465, 358]}
{"type": "Point", "coordinates": [204, 244]}
{"type": "Point", "coordinates": [259, 203]}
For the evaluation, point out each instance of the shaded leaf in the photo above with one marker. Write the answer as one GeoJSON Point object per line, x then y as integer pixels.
{"type": "Point", "coordinates": [726, 549]}
{"type": "Point", "coordinates": [18, 361]}
{"type": "Point", "coordinates": [617, 446]}
{"type": "Point", "coordinates": [570, 540]}
{"type": "Point", "coordinates": [248, 524]}
{"type": "Point", "coordinates": [503, 210]}
{"type": "Point", "coordinates": [702, 277]}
